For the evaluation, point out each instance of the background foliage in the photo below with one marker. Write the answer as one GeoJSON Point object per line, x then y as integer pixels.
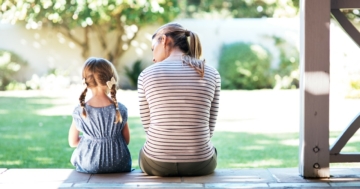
{"type": "Point", "coordinates": [10, 64]}
{"type": "Point", "coordinates": [239, 8]}
{"type": "Point", "coordinates": [249, 66]}
{"type": "Point", "coordinates": [245, 66]}
{"type": "Point", "coordinates": [134, 72]}
{"type": "Point", "coordinates": [114, 23]}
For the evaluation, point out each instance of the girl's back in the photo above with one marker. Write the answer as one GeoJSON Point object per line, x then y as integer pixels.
{"type": "Point", "coordinates": [102, 148]}
{"type": "Point", "coordinates": [103, 122]}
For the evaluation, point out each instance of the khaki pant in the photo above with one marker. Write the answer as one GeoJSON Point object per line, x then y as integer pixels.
{"type": "Point", "coordinates": [157, 168]}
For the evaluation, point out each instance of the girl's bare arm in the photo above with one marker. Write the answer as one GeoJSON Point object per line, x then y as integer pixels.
{"type": "Point", "coordinates": [73, 137]}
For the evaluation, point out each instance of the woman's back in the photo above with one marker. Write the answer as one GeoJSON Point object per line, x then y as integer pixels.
{"type": "Point", "coordinates": [182, 105]}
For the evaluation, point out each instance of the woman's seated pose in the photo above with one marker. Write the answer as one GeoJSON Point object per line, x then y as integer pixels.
{"type": "Point", "coordinates": [179, 102]}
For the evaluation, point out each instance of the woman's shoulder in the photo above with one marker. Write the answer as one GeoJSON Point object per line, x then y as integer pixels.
{"type": "Point", "coordinates": [147, 69]}
{"type": "Point", "coordinates": [211, 70]}
{"type": "Point", "coordinates": [158, 66]}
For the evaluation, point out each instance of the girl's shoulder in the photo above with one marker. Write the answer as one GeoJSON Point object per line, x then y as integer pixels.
{"type": "Point", "coordinates": [77, 110]}
{"type": "Point", "coordinates": [122, 106]}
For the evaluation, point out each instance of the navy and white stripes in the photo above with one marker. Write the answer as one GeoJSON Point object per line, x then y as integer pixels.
{"type": "Point", "coordinates": [178, 110]}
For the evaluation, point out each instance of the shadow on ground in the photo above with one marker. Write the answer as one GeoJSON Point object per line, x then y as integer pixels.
{"type": "Point", "coordinates": [33, 135]}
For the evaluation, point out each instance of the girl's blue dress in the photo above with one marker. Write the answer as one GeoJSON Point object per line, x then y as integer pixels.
{"type": "Point", "coordinates": [102, 148]}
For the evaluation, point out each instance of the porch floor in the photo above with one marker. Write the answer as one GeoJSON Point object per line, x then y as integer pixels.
{"type": "Point", "coordinates": [222, 178]}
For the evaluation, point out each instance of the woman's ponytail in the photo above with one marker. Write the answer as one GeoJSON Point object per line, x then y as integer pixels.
{"type": "Point", "coordinates": [194, 53]}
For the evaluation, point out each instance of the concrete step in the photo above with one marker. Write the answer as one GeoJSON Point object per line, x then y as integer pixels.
{"type": "Point", "coordinates": [222, 178]}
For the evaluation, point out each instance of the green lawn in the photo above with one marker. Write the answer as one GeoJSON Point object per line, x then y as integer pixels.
{"type": "Point", "coordinates": [29, 139]}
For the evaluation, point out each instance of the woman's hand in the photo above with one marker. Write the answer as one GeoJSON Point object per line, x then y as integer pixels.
{"type": "Point", "coordinates": [73, 137]}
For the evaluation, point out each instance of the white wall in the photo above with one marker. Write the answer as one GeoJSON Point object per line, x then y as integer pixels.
{"type": "Point", "coordinates": [46, 49]}
{"type": "Point", "coordinates": [41, 49]}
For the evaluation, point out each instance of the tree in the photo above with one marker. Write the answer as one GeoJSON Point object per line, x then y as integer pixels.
{"type": "Point", "coordinates": [110, 20]}
{"type": "Point", "coordinates": [240, 8]}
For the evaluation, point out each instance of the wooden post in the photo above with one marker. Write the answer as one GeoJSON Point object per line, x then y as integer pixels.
{"type": "Point", "coordinates": [314, 88]}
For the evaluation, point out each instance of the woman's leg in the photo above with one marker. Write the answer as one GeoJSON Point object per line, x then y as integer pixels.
{"type": "Point", "coordinates": [156, 168]}
{"type": "Point", "coordinates": [198, 168]}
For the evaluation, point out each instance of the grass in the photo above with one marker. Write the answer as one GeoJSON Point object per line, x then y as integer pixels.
{"type": "Point", "coordinates": [30, 139]}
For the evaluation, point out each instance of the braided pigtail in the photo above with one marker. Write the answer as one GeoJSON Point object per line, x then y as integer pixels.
{"type": "Point", "coordinates": [113, 97]}
{"type": "Point", "coordinates": [82, 102]}
{"type": "Point", "coordinates": [198, 65]}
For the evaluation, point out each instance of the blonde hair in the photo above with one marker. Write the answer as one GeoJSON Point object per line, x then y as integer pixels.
{"type": "Point", "coordinates": [97, 71]}
{"type": "Point", "coordinates": [187, 41]}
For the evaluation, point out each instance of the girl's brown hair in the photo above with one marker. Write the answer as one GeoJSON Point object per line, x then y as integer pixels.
{"type": "Point", "coordinates": [187, 41]}
{"type": "Point", "coordinates": [97, 71]}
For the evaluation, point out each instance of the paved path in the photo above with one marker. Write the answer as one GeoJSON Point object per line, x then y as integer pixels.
{"type": "Point", "coordinates": [222, 178]}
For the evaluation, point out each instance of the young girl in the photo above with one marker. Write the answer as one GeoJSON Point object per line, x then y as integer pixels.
{"type": "Point", "coordinates": [103, 122]}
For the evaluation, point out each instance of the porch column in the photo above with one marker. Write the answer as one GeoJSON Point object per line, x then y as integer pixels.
{"type": "Point", "coordinates": [314, 88]}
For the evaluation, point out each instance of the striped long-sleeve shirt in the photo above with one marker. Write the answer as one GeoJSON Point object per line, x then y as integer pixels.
{"type": "Point", "coordinates": [178, 110]}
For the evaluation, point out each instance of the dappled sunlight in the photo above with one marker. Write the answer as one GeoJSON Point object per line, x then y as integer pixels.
{"type": "Point", "coordinates": [58, 110]}
{"type": "Point", "coordinates": [7, 163]}
{"type": "Point", "coordinates": [290, 142]}
{"type": "Point", "coordinates": [243, 179]}
{"type": "Point", "coordinates": [317, 83]}
{"type": "Point", "coordinates": [256, 139]}
{"type": "Point", "coordinates": [44, 160]}
{"type": "Point", "coordinates": [59, 107]}
{"type": "Point", "coordinates": [264, 142]}
{"type": "Point", "coordinates": [43, 106]}
{"type": "Point", "coordinates": [37, 149]}
{"type": "Point", "coordinates": [345, 165]}
{"type": "Point", "coordinates": [349, 149]}
{"type": "Point", "coordinates": [353, 145]}
{"type": "Point", "coordinates": [135, 162]}
{"type": "Point", "coordinates": [252, 147]}
{"type": "Point", "coordinates": [260, 163]}
{"type": "Point", "coordinates": [339, 179]}
{"type": "Point", "coordinates": [16, 136]}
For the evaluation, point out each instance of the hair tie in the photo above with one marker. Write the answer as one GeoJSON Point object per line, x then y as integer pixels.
{"type": "Point", "coordinates": [111, 83]}
{"type": "Point", "coordinates": [187, 33]}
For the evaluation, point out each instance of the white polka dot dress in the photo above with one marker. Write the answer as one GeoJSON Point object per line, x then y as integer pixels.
{"type": "Point", "coordinates": [102, 148]}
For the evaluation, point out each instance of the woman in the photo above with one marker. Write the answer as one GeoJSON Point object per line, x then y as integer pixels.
{"type": "Point", "coordinates": [179, 102]}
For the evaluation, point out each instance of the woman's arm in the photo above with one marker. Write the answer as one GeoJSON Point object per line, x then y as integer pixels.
{"type": "Point", "coordinates": [214, 110]}
{"type": "Point", "coordinates": [144, 106]}
{"type": "Point", "coordinates": [126, 133]}
{"type": "Point", "coordinates": [73, 137]}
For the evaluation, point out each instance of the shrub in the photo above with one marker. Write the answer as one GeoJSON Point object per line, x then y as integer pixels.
{"type": "Point", "coordinates": [245, 66]}
{"type": "Point", "coordinates": [287, 72]}
{"type": "Point", "coordinates": [133, 73]}
{"type": "Point", "coordinates": [54, 79]}
{"type": "Point", "coordinates": [248, 66]}
{"type": "Point", "coordinates": [10, 64]}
